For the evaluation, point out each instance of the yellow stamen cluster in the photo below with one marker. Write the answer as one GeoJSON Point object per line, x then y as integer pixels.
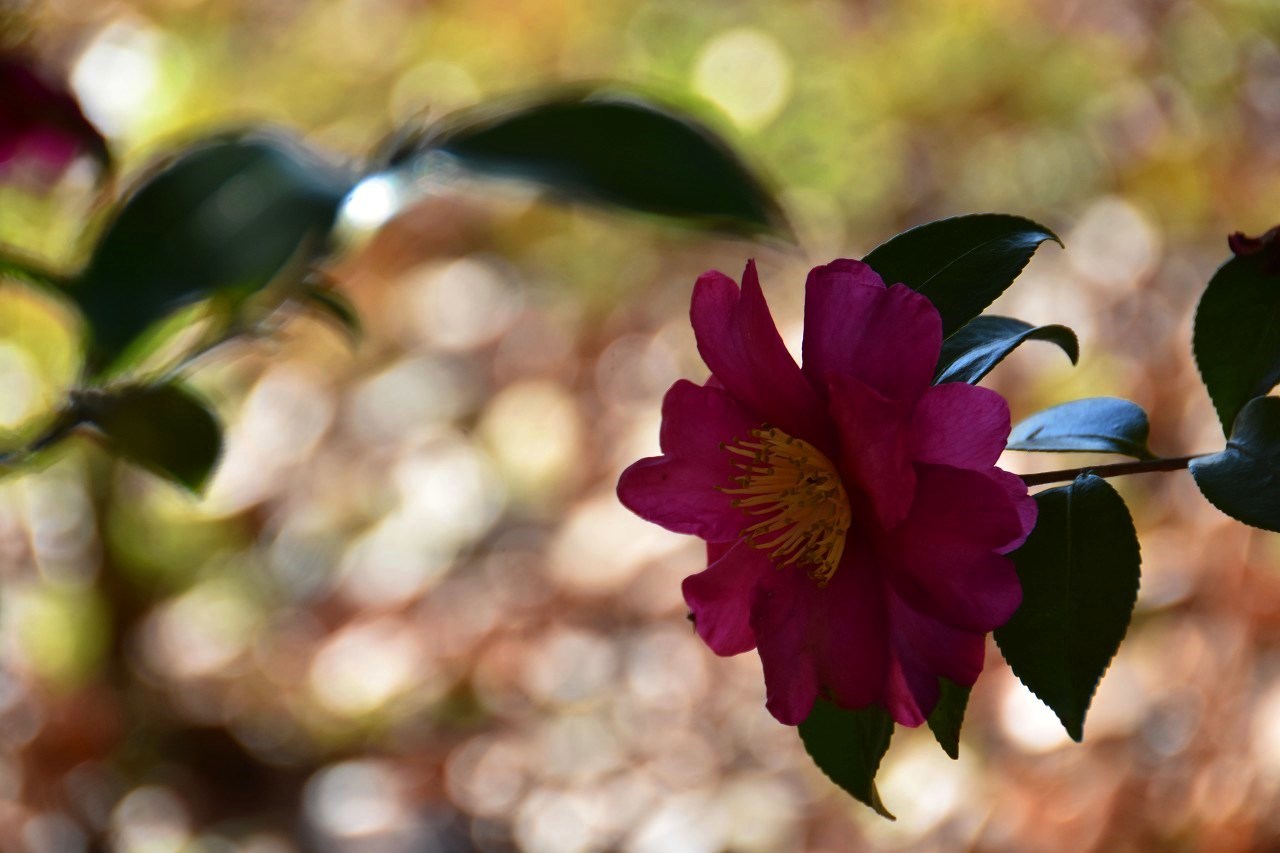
{"type": "Point", "coordinates": [797, 492]}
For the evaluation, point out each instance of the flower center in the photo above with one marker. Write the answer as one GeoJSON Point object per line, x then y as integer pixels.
{"type": "Point", "coordinates": [798, 495]}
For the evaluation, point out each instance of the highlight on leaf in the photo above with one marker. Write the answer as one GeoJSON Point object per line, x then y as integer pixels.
{"type": "Point", "coordinates": [1092, 425]}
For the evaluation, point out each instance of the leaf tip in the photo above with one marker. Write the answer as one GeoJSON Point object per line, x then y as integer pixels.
{"type": "Point", "coordinates": [878, 806]}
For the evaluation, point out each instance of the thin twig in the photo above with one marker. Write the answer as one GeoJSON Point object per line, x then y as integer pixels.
{"type": "Point", "coordinates": [1118, 469]}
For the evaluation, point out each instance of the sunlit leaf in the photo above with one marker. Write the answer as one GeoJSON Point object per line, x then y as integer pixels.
{"type": "Point", "coordinates": [1092, 425]}
{"type": "Point", "coordinates": [962, 264]}
{"type": "Point", "coordinates": [1079, 571]}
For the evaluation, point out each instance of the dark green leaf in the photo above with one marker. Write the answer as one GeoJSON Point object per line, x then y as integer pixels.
{"type": "Point", "coordinates": [1079, 571]}
{"type": "Point", "coordinates": [963, 263]}
{"type": "Point", "coordinates": [1244, 479]}
{"type": "Point", "coordinates": [1092, 425]}
{"type": "Point", "coordinates": [609, 148]}
{"type": "Point", "coordinates": [948, 715]}
{"type": "Point", "coordinates": [848, 746]}
{"type": "Point", "coordinates": [984, 341]}
{"type": "Point", "coordinates": [1237, 334]}
{"type": "Point", "coordinates": [225, 217]}
{"type": "Point", "coordinates": [162, 427]}
{"type": "Point", "coordinates": [333, 306]}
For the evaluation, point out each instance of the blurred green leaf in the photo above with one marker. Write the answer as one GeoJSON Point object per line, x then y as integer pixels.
{"type": "Point", "coordinates": [333, 306]}
{"type": "Point", "coordinates": [1237, 334]}
{"type": "Point", "coordinates": [948, 715]}
{"type": "Point", "coordinates": [162, 427]}
{"type": "Point", "coordinates": [1092, 425]}
{"type": "Point", "coordinates": [984, 341]}
{"type": "Point", "coordinates": [1079, 571]}
{"type": "Point", "coordinates": [612, 148]}
{"type": "Point", "coordinates": [848, 746]}
{"type": "Point", "coordinates": [962, 264]}
{"type": "Point", "coordinates": [224, 217]}
{"type": "Point", "coordinates": [1244, 479]}
{"type": "Point", "coordinates": [18, 267]}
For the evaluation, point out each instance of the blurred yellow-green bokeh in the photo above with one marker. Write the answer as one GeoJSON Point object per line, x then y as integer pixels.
{"type": "Point", "coordinates": [410, 614]}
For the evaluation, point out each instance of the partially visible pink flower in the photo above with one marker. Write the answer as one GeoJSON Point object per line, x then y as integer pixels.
{"type": "Point", "coordinates": [857, 526]}
{"type": "Point", "coordinates": [42, 128]}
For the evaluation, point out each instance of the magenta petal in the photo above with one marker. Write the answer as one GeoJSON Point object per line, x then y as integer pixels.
{"type": "Point", "coordinates": [887, 338]}
{"type": "Point", "coordinates": [738, 340]}
{"type": "Point", "coordinates": [716, 550]}
{"type": "Point", "coordinates": [720, 597]}
{"type": "Point", "coordinates": [943, 558]}
{"type": "Point", "coordinates": [909, 695]}
{"type": "Point", "coordinates": [698, 419]}
{"type": "Point", "coordinates": [960, 425]}
{"type": "Point", "coordinates": [939, 649]}
{"type": "Point", "coordinates": [1023, 503]}
{"type": "Point", "coordinates": [853, 648]}
{"type": "Point", "coordinates": [681, 490]}
{"type": "Point", "coordinates": [780, 614]}
{"type": "Point", "coordinates": [874, 434]}
{"type": "Point", "coordinates": [681, 496]}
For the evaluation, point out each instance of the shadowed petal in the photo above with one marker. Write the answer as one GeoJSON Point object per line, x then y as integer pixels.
{"type": "Point", "coordinates": [873, 433]}
{"type": "Point", "coordinates": [1025, 504]}
{"type": "Point", "coordinates": [720, 597]}
{"type": "Point", "coordinates": [853, 638]}
{"type": "Point", "coordinates": [740, 343]}
{"type": "Point", "coordinates": [780, 614]}
{"type": "Point", "coordinates": [923, 650]}
{"type": "Point", "coordinates": [964, 426]}
{"type": "Point", "coordinates": [943, 559]}
{"type": "Point", "coordinates": [908, 693]}
{"type": "Point", "coordinates": [889, 338]}
{"type": "Point", "coordinates": [940, 649]}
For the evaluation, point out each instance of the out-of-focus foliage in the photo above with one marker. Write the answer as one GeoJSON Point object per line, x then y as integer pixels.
{"type": "Point", "coordinates": [610, 148]}
{"type": "Point", "coordinates": [223, 220]}
{"type": "Point", "coordinates": [42, 128]}
{"type": "Point", "coordinates": [410, 612]}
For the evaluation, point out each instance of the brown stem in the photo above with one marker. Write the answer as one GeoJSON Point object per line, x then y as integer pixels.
{"type": "Point", "coordinates": [1118, 469]}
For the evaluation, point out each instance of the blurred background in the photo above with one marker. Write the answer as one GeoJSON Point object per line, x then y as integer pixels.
{"type": "Point", "coordinates": [410, 614]}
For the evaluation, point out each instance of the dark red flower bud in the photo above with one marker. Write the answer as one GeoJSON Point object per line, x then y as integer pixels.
{"type": "Point", "coordinates": [1242, 246]}
{"type": "Point", "coordinates": [42, 128]}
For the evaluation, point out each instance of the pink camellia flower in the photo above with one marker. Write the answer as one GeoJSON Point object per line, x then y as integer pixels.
{"type": "Point", "coordinates": [41, 124]}
{"type": "Point", "coordinates": [856, 525]}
